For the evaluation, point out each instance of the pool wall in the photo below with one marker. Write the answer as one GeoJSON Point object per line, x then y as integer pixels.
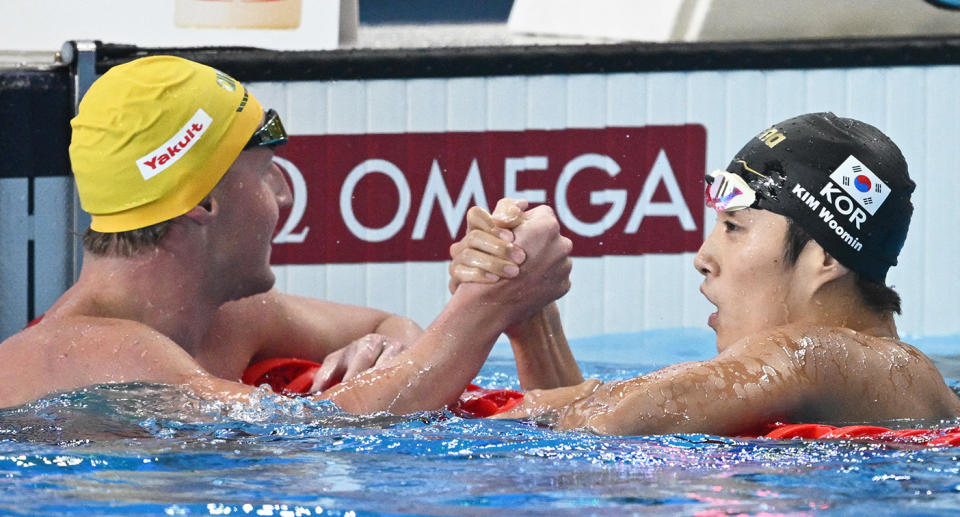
{"type": "Point", "coordinates": [389, 149]}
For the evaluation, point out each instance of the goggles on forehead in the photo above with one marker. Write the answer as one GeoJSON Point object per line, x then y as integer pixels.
{"type": "Point", "coordinates": [728, 192]}
{"type": "Point", "coordinates": [270, 134]}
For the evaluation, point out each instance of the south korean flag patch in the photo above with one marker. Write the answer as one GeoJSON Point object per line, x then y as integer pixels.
{"type": "Point", "coordinates": [861, 184]}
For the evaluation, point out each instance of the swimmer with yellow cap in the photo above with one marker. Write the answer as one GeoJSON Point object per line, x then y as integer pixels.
{"type": "Point", "coordinates": [174, 162]}
{"type": "Point", "coordinates": [141, 157]}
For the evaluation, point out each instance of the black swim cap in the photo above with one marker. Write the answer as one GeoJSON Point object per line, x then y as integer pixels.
{"type": "Point", "coordinates": [843, 181]}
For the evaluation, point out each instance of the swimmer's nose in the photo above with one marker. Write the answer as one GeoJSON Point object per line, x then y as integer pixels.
{"type": "Point", "coordinates": [280, 186]}
{"type": "Point", "coordinates": [703, 261]}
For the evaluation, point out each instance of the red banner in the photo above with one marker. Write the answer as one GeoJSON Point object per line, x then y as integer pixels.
{"type": "Point", "coordinates": [403, 197]}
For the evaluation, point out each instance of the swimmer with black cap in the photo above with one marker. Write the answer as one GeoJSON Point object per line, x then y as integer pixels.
{"type": "Point", "coordinates": [174, 161]}
{"type": "Point", "coordinates": [811, 214]}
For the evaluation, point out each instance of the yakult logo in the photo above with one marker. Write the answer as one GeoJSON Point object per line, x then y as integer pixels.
{"type": "Point", "coordinates": [159, 159]}
{"type": "Point", "coordinates": [404, 197]}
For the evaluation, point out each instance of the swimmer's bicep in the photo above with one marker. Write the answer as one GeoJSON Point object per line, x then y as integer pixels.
{"type": "Point", "coordinates": [733, 395]}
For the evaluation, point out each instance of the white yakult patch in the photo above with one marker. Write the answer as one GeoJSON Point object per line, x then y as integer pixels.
{"type": "Point", "coordinates": [861, 184]}
{"type": "Point", "coordinates": [159, 159]}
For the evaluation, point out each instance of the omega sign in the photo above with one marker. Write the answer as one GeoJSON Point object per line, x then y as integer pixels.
{"type": "Point", "coordinates": [404, 197]}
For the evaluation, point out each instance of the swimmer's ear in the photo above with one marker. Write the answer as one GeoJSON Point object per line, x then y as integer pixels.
{"type": "Point", "coordinates": [825, 268]}
{"type": "Point", "coordinates": [204, 212]}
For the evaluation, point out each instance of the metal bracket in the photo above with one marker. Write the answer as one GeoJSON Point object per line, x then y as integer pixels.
{"type": "Point", "coordinates": [82, 58]}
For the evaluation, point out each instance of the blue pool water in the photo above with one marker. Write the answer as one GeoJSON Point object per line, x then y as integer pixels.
{"type": "Point", "coordinates": [151, 450]}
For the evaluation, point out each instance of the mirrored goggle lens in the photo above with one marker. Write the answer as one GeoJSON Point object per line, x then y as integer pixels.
{"type": "Point", "coordinates": [271, 133]}
{"type": "Point", "coordinates": [728, 192]}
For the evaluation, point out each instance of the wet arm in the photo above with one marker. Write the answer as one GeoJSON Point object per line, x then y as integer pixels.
{"type": "Point", "coordinates": [429, 374]}
{"type": "Point", "coordinates": [486, 254]}
{"type": "Point", "coordinates": [275, 324]}
{"type": "Point", "coordinates": [726, 396]}
{"type": "Point", "coordinates": [435, 369]}
{"type": "Point", "coordinates": [397, 327]}
{"type": "Point", "coordinates": [542, 354]}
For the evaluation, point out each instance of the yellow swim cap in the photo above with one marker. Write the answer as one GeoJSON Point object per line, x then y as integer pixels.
{"type": "Point", "coordinates": [153, 137]}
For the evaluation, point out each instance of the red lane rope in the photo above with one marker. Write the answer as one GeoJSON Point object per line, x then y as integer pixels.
{"type": "Point", "coordinates": [949, 436]}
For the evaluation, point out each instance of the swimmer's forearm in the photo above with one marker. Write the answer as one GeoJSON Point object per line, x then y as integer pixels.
{"type": "Point", "coordinates": [553, 402]}
{"type": "Point", "coordinates": [435, 369]}
{"type": "Point", "coordinates": [541, 351]}
{"type": "Point", "coordinates": [399, 328]}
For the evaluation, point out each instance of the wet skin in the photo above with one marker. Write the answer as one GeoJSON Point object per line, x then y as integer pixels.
{"type": "Point", "coordinates": [746, 276]}
{"type": "Point", "coordinates": [186, 313]}
{"type": "Point", "coordinates": [794, 344]}
{"type": "Point", "coordinates": [252, 197]}
{"type": "Point", "coordinates": [790, 374]}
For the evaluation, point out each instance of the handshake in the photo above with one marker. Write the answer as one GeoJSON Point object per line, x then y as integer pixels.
{"type": "Point", "coordinates": [523, 247]}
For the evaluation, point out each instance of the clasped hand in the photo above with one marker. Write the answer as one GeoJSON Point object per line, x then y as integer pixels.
{"type": "Point", "coordinates": [524, 246]}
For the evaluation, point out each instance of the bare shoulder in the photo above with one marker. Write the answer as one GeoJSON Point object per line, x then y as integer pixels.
{"type": "Point", "coordinates": [811, 347]}
{"type": "Point", "coordinates": [68, 352]}
{"type": "Point", "coordinates": [838, 347]}
{"type": "Point", "coordinates": [862, 377]}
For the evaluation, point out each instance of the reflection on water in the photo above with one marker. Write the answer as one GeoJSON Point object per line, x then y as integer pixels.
{"type": "Point", "coordinates": [153, 450]}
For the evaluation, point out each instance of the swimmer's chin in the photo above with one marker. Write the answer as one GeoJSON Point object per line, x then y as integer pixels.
{"type": "Point", "coordinates": [255, 289]}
